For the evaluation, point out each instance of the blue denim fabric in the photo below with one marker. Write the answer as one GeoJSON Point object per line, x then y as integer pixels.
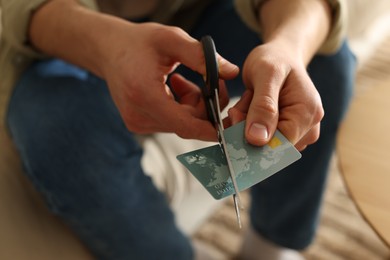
{"type": "Point", "coordinates": [80, 156]}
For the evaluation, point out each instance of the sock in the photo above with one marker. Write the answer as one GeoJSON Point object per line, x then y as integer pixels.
{"type": "Point", "coordinates": [255, 247]}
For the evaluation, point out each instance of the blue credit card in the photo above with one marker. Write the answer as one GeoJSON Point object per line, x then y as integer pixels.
{"type": "Point", "coordinates": [252, 164]}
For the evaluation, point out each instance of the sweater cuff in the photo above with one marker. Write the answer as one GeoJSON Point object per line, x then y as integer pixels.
{"type": "Point", "coordinates": [16, 16]}
{"type": "Point", "coordinates": [248, 10]}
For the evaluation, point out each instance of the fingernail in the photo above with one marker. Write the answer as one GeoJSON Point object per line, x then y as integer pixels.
{"type": "Point", "coordinates": [258, 131]}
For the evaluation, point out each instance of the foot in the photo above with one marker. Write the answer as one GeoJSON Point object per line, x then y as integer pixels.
{"type": "Point", "coordinates": [255, 247]}
{"type": "Point", "coordinates": [203, 251]}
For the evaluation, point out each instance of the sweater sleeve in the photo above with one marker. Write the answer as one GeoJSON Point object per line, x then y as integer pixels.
{"type": "Point", "coordinates": [16, 15]}
{"type": "Point", "coordinates": [248, 11]}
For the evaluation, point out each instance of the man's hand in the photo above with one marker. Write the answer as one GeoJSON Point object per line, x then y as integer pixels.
{"type": "Point", "coordinates": [142, 57]}
{"type": "Point", "coordinates": [135, 60]}
{"type": "Point", "coordinates": [279, 95]}
{"type": "Point", "coordinates": [279, 92]}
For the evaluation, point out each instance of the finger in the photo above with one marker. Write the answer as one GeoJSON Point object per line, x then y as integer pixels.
{"type": "Point", "coordinates": [299, 129]}
{"type": "Point", "coordinates": [310, 138]}
{"type": "Point", "coordinates": [243, 104]}
{"type": "Point", "coordinates": [189, 96]}
{"type": "Point", "coordinates": [300, 117]}
{"type": "Point", "coordinates": [184, 120]}
{"type": "Point", "coordinates": [223, 94]}
{"type": "Point", "coordinates": [236, 115]}
{"type": "Point", "coordinates": [186, 91]}
{"type": "Point", "coordinates": [263, 113]}
{"type": "Point", "coordinates": [187, 126]}
{"type": "Point", "coordinates": [226, 122]}
{"type": "Point", "coordinates": [195, 128]}
{"type": "Point", "coordinates": [189, 52]}
{"type": "Point", "coordinates": [226, 69]}
{"type": "Point", "coordinates": [168, 92]}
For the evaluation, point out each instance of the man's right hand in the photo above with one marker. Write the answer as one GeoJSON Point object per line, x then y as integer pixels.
{"type": "Point", "coordinates": [135, 60]}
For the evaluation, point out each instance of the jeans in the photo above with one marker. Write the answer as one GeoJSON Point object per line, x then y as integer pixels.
{"type": "Point", "coordinates": [78, 153]}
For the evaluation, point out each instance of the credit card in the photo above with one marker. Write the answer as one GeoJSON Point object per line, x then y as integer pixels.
{"type": "Point", "coordinates": [252, 164]}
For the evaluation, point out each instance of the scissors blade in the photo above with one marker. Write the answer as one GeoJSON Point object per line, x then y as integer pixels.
{"type": "Point", "coordinates": [210, 93]}
{"type": "Point", "coordinates": [215, 107]}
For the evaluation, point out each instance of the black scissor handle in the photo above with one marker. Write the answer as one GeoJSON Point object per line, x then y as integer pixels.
{"type": "Point", "coordinates": [212, 77]}
{"type": "Point", "coordinates": [211, 64]}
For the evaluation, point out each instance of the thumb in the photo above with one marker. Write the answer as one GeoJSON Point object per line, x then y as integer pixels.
{"type": "Point", "coordinates": [189, 52]}
{"type": "Point", "coordinates": [263, 114]}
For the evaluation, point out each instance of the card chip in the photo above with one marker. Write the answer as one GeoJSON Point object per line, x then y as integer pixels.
{"type": "Point", "coordinates": [275, 142]}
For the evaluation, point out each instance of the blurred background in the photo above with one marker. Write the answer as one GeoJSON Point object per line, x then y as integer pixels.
{"type": "Point", "coordinates": [343, 232]}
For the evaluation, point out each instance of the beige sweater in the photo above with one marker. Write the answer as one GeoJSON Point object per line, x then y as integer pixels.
{"type": "Point", "coordinates": [16, 54]}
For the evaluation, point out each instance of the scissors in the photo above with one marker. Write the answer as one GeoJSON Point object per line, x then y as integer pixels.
{"type": "Point", "coordinates": [210, 93]}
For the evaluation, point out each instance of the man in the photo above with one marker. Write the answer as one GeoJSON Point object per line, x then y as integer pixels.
{"type": "Point", "coordinates": [75, 115]}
